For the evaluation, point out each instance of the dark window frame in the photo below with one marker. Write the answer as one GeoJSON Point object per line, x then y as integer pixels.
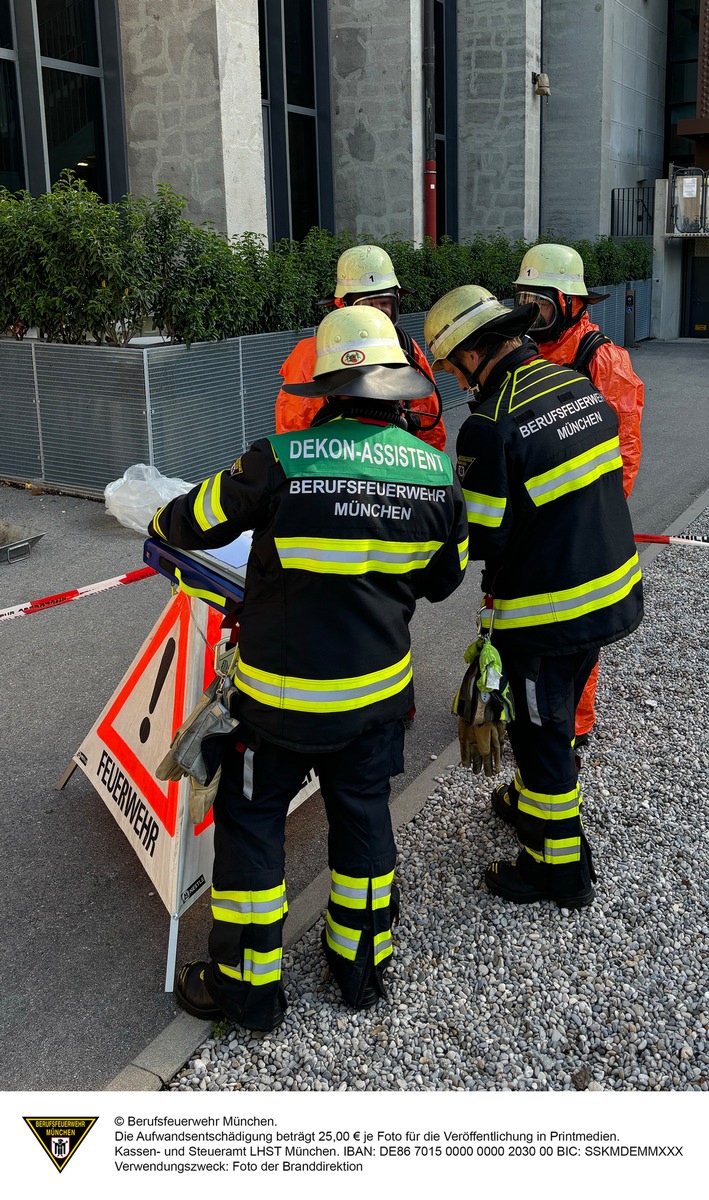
{"type": "Point", "coordinates": [30, 65]}
{"type": "Point", "coordinates": [276, 150]}
{"type": "Point", "coordinates": [446, 62]}
{"type": "Point", "coordinates": [9, 54]}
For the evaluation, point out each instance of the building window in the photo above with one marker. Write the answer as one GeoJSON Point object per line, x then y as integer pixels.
{"type": "Point", "coordinates": [66, 55]}
{"type": "Point", "coordinates": [295, 92]}
{"type": "Point", "coordinates": [73, 114]}
{"type": "Point", "coordinates": [67, 30]}
{"type": "Point", "coordinates": [12, 168]}
{"type": "Point", "coordinates": [682, 57]}
{"type": "Point", "coordinates": [446, 105]}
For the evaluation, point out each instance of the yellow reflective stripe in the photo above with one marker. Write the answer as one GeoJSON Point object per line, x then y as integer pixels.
{"type": "Point", "coordinates": [382, 946]}
{"type": "Point", "coordinates": [199, 512]}
{"type": "Point", "coordinates": [217, 498]}
{"type": "Point", "coordinates": [258, 967]}
{"type": "Point", "coordinates": [381, 890]}
{"type": "Point", "coordinates": [250, 908]}
{"type": "Point", "coordinates": [156, 522]}
{"type": "Point", "coordinates": [463, 554]}
{"type": "Point", "coordinates": [349, 892]}
{"type": "Point", "coordinates": [547, 608]}
{"type": "Point", "coordinates": [200, 593]}
{"type": "Point", "coordinates": [562, 850]}
{"type": "Point", "coordinates": [483, 509]}
{"type": "Point", "coordinates": [341, 939]}
{"type": "Point", "coordinates": [322, 695]}
{"type": "Point", "coordinates": [548, 806]}
{"type": "Point", "coordinates": [208, 509]}
{"type": "Point", "coordinates": [538, 395]}
{"type": "Point", "coordinates": [354, 556]}
{"type": "Point", "coordinates": [575, 473]}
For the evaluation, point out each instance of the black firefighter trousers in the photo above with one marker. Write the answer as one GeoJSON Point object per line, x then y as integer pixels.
{"type": "Point", "coordinates": [249, 903]}
{"type": "Point", "coordinates": [546, 692]}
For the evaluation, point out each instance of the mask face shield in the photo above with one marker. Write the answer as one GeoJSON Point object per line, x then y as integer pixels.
{"type": "Point", "coordinates": [386, 302]}
{"type": "Point", "coordinates": [548, 323]}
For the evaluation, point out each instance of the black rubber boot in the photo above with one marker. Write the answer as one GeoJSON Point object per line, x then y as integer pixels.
{"type": "Point", "coordinates": [369, 993]}
{"type": "Point", "coordinates": [504, 802]}
{"type": "Point", "coordinates": [192, 994]}
{"type": "Point", "coordinates": [525, 881]}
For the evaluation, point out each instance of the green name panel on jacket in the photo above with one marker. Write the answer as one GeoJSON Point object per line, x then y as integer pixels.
{"type": "Point", "coordinates": [361, 451]}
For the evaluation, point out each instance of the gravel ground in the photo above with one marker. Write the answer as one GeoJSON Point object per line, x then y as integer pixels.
{"type": "Point", "coordinates": [487, 996]}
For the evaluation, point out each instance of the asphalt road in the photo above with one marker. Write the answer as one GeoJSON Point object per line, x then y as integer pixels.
{"type": "Point", "coordinates": [84, 936]}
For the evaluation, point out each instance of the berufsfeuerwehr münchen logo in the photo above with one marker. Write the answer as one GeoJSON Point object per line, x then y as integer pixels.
{"type": "Point", "coordinates": [60, 1136]}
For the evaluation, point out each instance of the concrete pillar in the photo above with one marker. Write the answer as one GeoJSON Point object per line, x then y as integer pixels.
{"type": "Point", "coordinates": [604, 125]}
{"type": "Point", "coordinates": [377, 116]}
{"type": "Point", "coordinates": [499, 47]}
{"type": "Point", "coordinates": [193, 106]}
{"type": "Point", "coordinates": [667, 258]}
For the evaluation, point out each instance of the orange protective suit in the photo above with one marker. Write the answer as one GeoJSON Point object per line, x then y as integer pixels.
{"type": "Point", "coordinates": [297, 412]}
{"type": "Point", "coordinates": [612, 373]}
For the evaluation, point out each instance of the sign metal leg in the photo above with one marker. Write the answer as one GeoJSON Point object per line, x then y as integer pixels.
{"type": "Point", "coordinates": [65, 777]}
{"type": "Point", "coordinates": [172, 953]}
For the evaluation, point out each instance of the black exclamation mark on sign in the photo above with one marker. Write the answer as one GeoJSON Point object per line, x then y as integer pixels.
{"type": "Point", "coordinates": [167, 656]}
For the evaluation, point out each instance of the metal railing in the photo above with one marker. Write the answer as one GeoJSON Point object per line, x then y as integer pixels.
{"type": "Point", "coordinates": [632, 211]}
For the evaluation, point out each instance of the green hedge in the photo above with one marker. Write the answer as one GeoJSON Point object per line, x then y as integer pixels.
{"type": "Point", "coordinates": [76, 267]}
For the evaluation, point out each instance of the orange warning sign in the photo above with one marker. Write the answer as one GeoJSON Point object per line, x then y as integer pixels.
{"type": "Point", "coordinates": [119, 730]}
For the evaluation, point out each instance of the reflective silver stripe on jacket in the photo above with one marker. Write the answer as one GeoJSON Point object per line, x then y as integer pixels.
{"type": "Point", "coordinates": [323, 695]}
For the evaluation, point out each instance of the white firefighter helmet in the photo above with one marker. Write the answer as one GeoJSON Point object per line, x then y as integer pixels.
{"type": "Point", "coordinates": [358, 354]}
{"type": "Point", "coordinates": [364, 269]}
{"type": "Point", "coordinates": [549, 265]}
{"type": "Point", "coordinates": [458, 316]}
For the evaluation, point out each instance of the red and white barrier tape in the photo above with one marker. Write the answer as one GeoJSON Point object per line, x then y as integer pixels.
{"type": "Point", "coordinates": [672, 539]}
{"type": "Point", "coordinates": [32, 606]}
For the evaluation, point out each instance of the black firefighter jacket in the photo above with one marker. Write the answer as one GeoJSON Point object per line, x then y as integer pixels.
{"type": "Point", "coordinates": [352, 523]}
{"type": "Point", "coordinates": [542, 478]}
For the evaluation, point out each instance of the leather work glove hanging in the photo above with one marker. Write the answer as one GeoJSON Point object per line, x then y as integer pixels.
{"type": "Point", "coordinates": [210, 719]}
{"type": "Point", "coordinates": [483, 705]}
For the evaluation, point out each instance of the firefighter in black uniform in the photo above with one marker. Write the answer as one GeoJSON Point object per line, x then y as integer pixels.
{"type": "Point", "coordinates": [354, 520]}
{"type": "Point", "coordinates": [542, 475]}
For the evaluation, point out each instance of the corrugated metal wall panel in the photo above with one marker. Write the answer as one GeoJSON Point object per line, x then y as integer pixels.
{"type": "Point", "coordinates": [207, 403]}
{"type": "Point", "coordinates": [262, 357]}
{"type": "Point", "coordinates": [643, 307]}
{"type": "Point", "coordinates": [92, 413]}
{"type": "Point", "coordinates": [196, 407]}
{"type": "Point", "coordinates": [610, 315]}
{"type": "Point", "coordinates": [20, 453]}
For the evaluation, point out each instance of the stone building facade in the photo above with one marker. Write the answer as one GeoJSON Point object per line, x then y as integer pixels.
{"type": "Point", "coordinates": [274, 115]}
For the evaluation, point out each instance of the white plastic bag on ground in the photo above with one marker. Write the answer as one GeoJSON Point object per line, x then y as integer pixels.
{"type": "Point", "coordinates": [135, 497]}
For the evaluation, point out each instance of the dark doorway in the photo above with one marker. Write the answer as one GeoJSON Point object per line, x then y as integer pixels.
{"type": "Point", "coordinates": [697, 324]}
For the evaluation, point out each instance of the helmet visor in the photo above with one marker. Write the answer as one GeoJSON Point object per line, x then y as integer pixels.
{"type": "Point", "coordinates": [386, 302]}
{"type": "Point", "coordinates": [548, 309]}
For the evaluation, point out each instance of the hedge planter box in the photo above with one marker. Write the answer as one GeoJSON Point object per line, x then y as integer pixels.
{"type": "Point", "coordinates": [75, 417]}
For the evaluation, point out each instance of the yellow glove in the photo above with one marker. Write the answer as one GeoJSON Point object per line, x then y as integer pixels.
{"type": "Point", "coordinates": [481, 745]}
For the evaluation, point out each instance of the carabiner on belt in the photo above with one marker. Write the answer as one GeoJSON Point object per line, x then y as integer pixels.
{"type": "Point", "coordinates": [487, 606]}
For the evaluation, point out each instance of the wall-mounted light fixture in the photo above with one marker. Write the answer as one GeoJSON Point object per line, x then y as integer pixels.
{"type": "Point", "coordinates": [541, 84]}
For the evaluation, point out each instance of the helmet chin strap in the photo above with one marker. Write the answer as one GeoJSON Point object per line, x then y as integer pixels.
{"type": "Point", "coordinates": [472, 378]}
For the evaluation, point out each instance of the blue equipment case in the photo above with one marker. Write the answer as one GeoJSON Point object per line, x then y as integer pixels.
{"type": "Point", "coordinates": [215, 576]}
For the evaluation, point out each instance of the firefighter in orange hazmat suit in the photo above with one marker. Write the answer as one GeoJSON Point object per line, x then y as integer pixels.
{"type": "Point", "coordinates": [552, 276]}
{"type": "Point", "coordinates": [365, 275]}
